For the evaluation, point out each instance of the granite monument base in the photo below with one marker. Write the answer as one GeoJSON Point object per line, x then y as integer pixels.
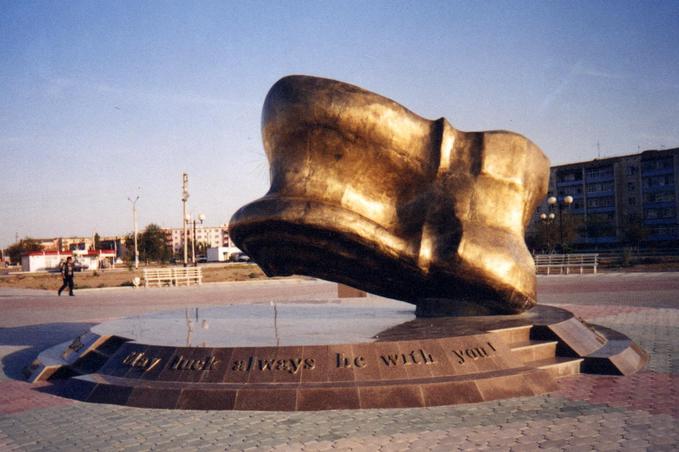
{"type": "Point", "coordinates": [334, 355]}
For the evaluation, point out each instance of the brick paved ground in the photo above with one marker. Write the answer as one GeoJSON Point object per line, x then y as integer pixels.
{"type": "Point", "coordinates": [587, 413]}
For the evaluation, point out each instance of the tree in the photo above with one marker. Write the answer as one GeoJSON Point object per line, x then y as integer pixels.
{"type": "Point", "coordinates": [152, 244]}
{"type": "Point", "coordinates": [201, 248]}
{"type": "Point", "coordinates": [97, 241]}
{"type": "Point", "coordinates": [599, 225]}
{"type": "Point", "coordinates": [634, 230]}
{"type": "Point", "coordinates": [24, 246]}
{"type": "Point", "coordinates": [542, 236]}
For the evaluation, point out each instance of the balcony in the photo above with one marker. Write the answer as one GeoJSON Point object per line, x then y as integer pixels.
{"type": "Point", "coordinates": [658, 187]}
{"type": "Point", "coordinates": [601, 209]}
{"type": "Point", "coordinates": [568, 183]}
{"type": "Point", "coordinates": [658, 204]}
{"type": "Point", "coordinates": [657, 171]}
{"type": "Point", "coordinates": [600, 194]}
{"type": "Point", "coordinates": [650, 221]}
{"type": "Point", "coordinates": [606, 177]}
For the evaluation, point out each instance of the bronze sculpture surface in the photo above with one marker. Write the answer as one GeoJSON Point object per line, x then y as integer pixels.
{"type": "Point", "coordinates": [367, 193]}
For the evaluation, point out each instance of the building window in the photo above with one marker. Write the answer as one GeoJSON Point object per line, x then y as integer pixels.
{"type": "Point", "coordinates": [631, 186]}
{"type": "Point", "coordinates": [657, 164]}
{"type": "Point", "coordinates": [666, 230]}
{"type": "Point", "coordinates": [601, 217]}
{"type": "Point", "coordinates": [661, 196]}
{"type": "Point", "coordinates": [597, 203]}
{"type": "Point", "coordinates": [631, 170]}
{"type": "Point", "coordinates": [660, 213]}
{"type": "Point", "coordinates": [658, 181]}
{"type": "Point", "coordinates": [599, 187]}
{"type": "Point", "coordinates": [604, 171]}
{"type": "Point", "coordinates": [569, 176]}
{"type": "Point", "coordinates": [632, 201]}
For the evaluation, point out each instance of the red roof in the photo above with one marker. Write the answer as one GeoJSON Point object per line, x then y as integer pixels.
{"type": "Point", "coordinates": [101, 252]}
{"type": "Point", "coordinates": [70, 253]}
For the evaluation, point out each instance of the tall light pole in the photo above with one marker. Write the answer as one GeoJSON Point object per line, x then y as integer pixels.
{"type": "Point", "coordinates": [134, 219]}
{"type": "Point", "coordinates": [185, 198]}
{"type": "Point", "coordinates": [560, 203]}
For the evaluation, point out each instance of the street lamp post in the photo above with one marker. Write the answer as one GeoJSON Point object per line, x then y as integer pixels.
{"type": "Point", "coordinates": [200, 218]}
{"type": "Point", "coordinates": [560, 204]}
{"type": "Point", "coordinates": [185, 198]}
{"type": "Point", "coordinates": [134, 219]}
{"type": "Point", "coordinates": [547, 219]}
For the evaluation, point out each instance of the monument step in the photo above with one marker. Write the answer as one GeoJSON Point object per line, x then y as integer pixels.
{"type": "Point", "coordinates": [513, 334]}
{"type": "Point", "coordinates": [559, 366]}
{"type": "Point", "coordinates": [528, 351]}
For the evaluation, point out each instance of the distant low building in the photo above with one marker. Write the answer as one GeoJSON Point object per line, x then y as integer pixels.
{"type": "Point", "coordinates": [222, 253]}
{"type": "Point", "coordinates": [51, 260]}
{"type": "Point", "coordinates": [41, 261]}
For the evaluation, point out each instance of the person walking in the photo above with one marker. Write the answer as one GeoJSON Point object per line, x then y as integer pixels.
{"type": "Point", "coordinates": [67, 271]}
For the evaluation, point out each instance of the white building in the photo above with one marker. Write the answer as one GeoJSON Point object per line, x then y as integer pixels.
{"type": "Point", "coordinates": [41, 261]}
{"type": "Point", "coordinates": [212, 236]}
{"type": "Point", "coordinates": [222, 253]}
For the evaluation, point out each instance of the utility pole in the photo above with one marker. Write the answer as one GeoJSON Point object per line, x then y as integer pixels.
{"type": "Point", "coordinates": [185, 199]}
{"type": "Point", "coordinates": [134, 219]}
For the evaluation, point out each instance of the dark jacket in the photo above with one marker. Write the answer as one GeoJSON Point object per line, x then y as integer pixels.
{"type": "Point", "coordinates": [67, 270]}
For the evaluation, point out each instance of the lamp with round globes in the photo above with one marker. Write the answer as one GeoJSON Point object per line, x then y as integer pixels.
{"type": "Point", "coordinates": [201, 217]}
{"type": "Point", "coordinates": [547, 219]}
{"type": "Point", "coordinates": [560, 203]}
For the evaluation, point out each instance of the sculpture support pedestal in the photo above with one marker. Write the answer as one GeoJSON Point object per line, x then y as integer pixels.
{"type": "Point", "coordinates": [388, 359]}
{"type": "Point", "coordinates": [442, 307]}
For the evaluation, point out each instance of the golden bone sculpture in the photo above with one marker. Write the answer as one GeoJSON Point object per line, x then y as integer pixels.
{"type": "Point", "coordinates": [367, 193]}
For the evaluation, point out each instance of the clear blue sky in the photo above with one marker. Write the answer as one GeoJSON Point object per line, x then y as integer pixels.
{"type": "Point", "coordinates": [101, 100]}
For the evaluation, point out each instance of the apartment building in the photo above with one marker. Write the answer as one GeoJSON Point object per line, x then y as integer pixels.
{"type": "Point", "coordinates": [616, 195]}
{"type": "Point", "coordinates": [212, 236]}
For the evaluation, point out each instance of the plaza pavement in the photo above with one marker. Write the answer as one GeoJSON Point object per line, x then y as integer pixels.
{"type": "Point", "coordinates": [638, 412]}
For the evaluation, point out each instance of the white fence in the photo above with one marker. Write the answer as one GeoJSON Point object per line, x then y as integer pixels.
{"type": "Point", "coordinates": [175, 276]}
{"type": "Point", "coordinates": [566, 263]}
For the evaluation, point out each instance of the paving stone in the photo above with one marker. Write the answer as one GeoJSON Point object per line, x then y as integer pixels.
{"type": "Point", "coordinates": [588, 413]}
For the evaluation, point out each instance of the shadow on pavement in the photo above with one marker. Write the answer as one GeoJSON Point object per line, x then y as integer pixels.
{"type": "Point", "coordinates": [35, 338]}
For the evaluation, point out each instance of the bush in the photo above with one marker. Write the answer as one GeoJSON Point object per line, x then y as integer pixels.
{"type": "Point", "coordinates": [626, 257]}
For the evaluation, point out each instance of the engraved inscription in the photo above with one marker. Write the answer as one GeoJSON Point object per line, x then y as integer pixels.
{"type": "Point", "coordinates": [181, 363]}
{"type": "Point", "coordinates": [408, 359]}
{"type": "Point", "coordinates": [473, 353]}
{"type": "Point", "coordinates": [290, 365]}
{"type": "Point", "coordinates": [141, 360]}
{"type": "Point", "coordinates": [343, 361]}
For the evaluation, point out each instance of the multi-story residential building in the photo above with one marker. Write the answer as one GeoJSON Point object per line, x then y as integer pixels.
{"type": "Point", "coordinates": [66, 243]}
{"type": "Point", "coordinates": [616, 196]}
{"type": "Point", "coordinates": [212, 236]}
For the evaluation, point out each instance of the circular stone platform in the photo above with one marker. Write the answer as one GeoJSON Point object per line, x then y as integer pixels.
{"type": "Point", "coordinates": [329, 355]}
